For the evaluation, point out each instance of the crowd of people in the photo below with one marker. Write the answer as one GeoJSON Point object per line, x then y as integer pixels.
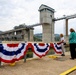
{"type": "Point", "coordinates": [72, 44]}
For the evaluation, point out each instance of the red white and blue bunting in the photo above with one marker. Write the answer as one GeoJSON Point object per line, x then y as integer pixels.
{"type": "Point", "coordinates": [40, 49]}
{"type": "Point", "coordinates": [10, 53]}
{"type": "Point", "coordinates": [57, 47]}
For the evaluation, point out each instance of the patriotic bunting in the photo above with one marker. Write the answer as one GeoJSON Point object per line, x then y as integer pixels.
{"type": "Point", "coordinates": [40, 49]}
{"type": "Point", "coordinates": [57, 47]}
{"type": "Point", "coordinates": [10, 53]}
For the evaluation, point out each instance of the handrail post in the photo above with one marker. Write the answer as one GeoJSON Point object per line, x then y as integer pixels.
{"type": "Point", "coordinates": [24, 58]}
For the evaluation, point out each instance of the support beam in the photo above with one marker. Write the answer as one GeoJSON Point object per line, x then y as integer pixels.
{"type": "Point", "coordinates": [65, 17]}
{"type": "Point", "coordinates": [34, 25]}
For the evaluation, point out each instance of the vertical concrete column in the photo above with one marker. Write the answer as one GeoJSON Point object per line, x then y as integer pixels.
{"type": "Point", "coordinates": [66, 30]}
{"type": "Point", "coordinates": [30, 34]}
{"type": "Point", "coordinates": [66, 25]}
{"type": "Point", "coordinates": [52, 28]}
{"type": "Point", "coordinates": [46, 36]}
{"type": "Point", "coordinates": [25, 35]}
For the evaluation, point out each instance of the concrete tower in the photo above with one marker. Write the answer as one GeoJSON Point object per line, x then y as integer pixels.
{"type": "Point", "coordinates": [46, 19]}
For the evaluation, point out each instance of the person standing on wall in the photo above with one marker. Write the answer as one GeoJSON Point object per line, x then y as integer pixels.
{"type": "Point", "coordinates": [72, 43]}
{"type": "Point", "coordinates": [62, 41]}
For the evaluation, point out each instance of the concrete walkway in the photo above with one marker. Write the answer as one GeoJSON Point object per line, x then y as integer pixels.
{"type": "Point", "coordinates": [40, 66]}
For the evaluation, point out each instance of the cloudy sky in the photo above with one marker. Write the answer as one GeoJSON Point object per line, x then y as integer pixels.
{"type": "Point", "coordinates": [16, 12]}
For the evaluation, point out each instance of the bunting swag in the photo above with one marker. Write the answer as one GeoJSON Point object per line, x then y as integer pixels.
{"type": "Point", "coordinates": [40, 49]}
{"type": "Point", "coordinates": [57, 47]}
{"type": "Point", "coordinates": [10, 53]}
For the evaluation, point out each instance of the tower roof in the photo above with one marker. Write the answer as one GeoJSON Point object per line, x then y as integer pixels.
{"type": "Point", "coordinates": [46, 7]}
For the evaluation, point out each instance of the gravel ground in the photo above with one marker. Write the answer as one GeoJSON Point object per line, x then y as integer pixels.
{"type": "Point", "coordinates": [73, 73]}
{"type": "Point", "coordinates": [40, 66]}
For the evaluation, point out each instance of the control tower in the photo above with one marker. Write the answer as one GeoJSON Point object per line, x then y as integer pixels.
{"type": "Point", "coordinates": [46, 19]}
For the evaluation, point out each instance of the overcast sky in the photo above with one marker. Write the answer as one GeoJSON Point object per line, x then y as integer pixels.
{"type": "Point", "coordinates": [16, 12]}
